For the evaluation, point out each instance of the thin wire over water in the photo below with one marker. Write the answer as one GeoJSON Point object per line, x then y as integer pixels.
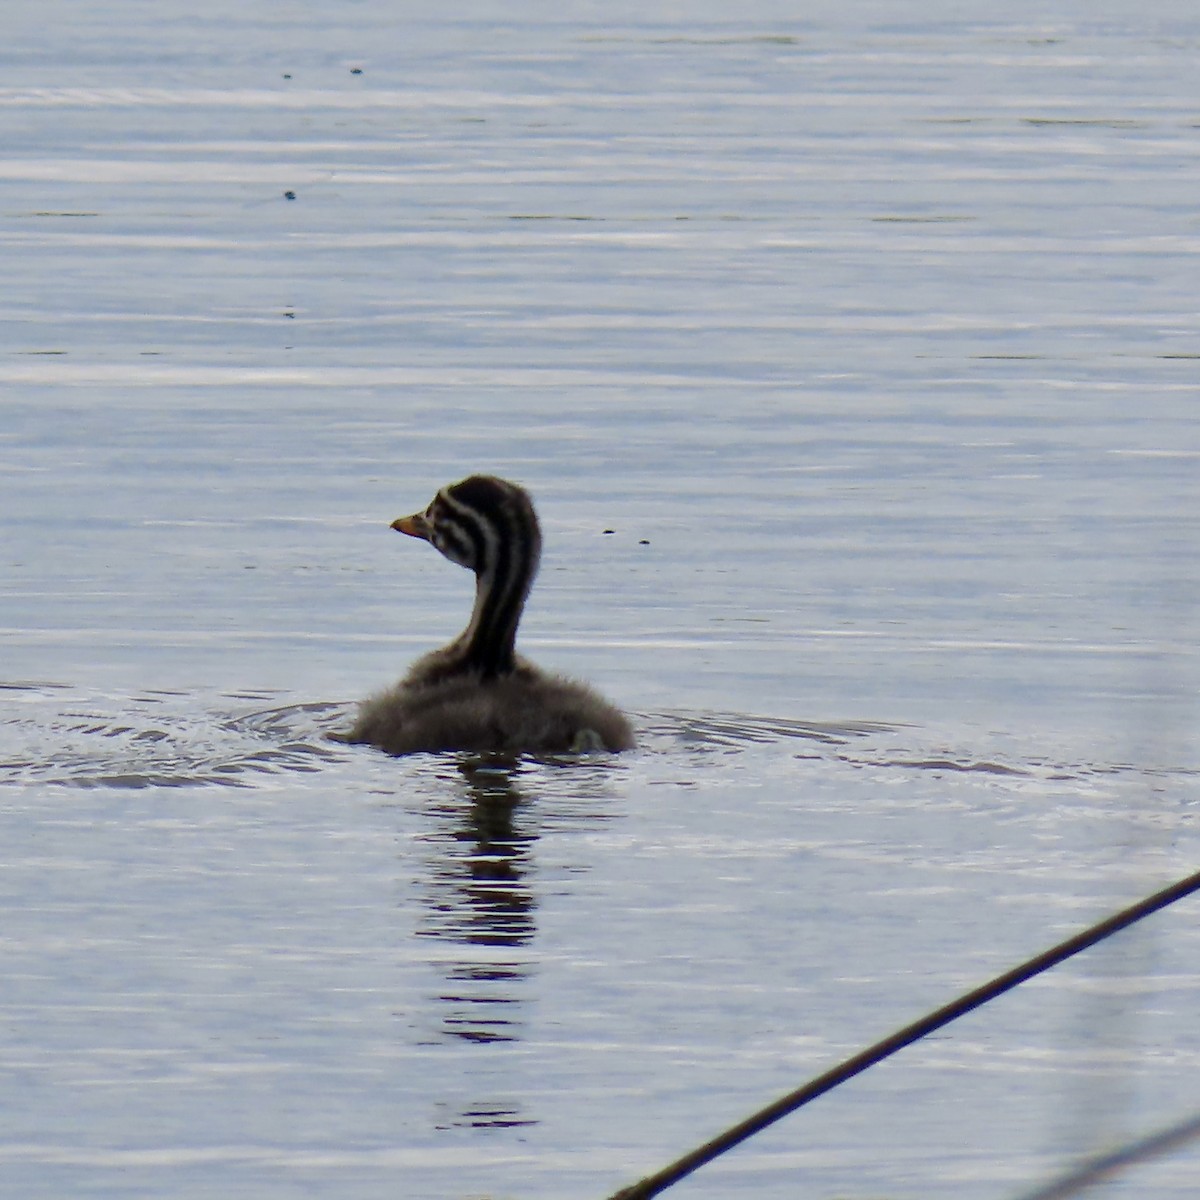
{"type": "Point", "coordinates": [652, 1185]}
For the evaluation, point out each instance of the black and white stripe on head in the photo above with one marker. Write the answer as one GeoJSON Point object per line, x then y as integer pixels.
{"type": "Point", "coordinates": [471, 522]}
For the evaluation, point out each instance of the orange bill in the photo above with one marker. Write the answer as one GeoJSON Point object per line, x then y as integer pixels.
{"type": "Point", "coordinates": [415, 526]}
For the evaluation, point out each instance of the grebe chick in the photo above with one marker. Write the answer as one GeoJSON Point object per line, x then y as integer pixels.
{"type": "Point", "coordinates": [477, 693]}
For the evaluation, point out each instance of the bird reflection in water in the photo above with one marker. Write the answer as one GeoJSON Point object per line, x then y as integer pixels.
{"type": "Point", "coordinates": [479, 901]}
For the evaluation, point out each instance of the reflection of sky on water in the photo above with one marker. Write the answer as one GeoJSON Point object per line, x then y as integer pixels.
{"type": "Point", "coordinates": [875, 348]}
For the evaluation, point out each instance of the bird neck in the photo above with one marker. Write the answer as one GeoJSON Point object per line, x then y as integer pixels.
{"type": "Point", "coordinates": [488, 644]}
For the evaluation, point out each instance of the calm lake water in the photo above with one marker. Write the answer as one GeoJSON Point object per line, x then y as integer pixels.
{"type": "Point", "coordinates": [853, 362]}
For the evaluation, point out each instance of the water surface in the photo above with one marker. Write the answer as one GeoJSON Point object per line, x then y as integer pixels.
{"type": "Point", "coordinates": [874, 345]}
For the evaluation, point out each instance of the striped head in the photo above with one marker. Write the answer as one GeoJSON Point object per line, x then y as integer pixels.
{"type": "Point", "coordinates": [482, 523]}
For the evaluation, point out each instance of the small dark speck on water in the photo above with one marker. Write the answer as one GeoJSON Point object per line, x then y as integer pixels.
{"type": "Point", "coordinates": [610, 531]}
{"type": "Point", "coordinates": [289, 195]}
{"type": "Point", "coordinates": [289, 314]}
{"type": "Point", "coordinates": [643, 542]}
{"type": "Point", "coordinates": [287, 75]}
{"type": "Point", "coordinates": [356, 70]}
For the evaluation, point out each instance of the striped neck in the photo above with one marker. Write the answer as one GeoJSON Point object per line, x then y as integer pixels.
{"type": "Point", "coordinates": [505, 548]}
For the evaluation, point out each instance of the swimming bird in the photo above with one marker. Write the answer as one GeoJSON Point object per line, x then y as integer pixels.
{"type": "Point", "coordinates": [477, 693]}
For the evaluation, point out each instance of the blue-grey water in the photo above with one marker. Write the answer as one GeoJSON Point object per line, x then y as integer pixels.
{"type": "Point", "coordinates": [853, 360]}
